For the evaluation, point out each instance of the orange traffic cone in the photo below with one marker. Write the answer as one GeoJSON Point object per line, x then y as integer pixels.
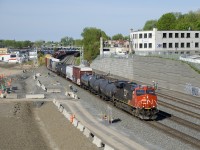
{"type": "Point", "coordinates": [72, 118]}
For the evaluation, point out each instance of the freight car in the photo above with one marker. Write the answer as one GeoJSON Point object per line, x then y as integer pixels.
{"type": "Point", "coordinates": [139, 100]}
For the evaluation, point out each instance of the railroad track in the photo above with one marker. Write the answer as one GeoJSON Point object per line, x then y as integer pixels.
{"type": "Point", "coordinates": [179, 135]}
{"type": "Point", "coordinates": [180, 121]}
{"type": "Point", "coordinates": [181, 110]}
{"type": "Point", "coordinates": [181, 101]}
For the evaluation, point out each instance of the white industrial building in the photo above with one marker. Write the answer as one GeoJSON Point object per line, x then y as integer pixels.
{"type": "Point", "coordinates": [165, 42]}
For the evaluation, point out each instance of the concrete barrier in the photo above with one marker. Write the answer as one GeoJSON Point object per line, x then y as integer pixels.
{"type": "Point", "coordinates": [38, 74]}
{"type": "Point", "coordinates": [11, 96]}
{"type": "Point", "coordinates": [87, 132]}
{"type": "Point", "coordinates": [54, 101]}
{"type": "Point", "coordinates": [43, 87]}
{"type": "Point", "coordinates": [53, 90]}
{"type": "Point", "coordinates": [61, 108]}
{"type": "Point", "coordinates": [66, 114]}
{"type": "Point", "coordinates": [97, 141]}
{"type": "Point", "coordinates": [80, 127]}
{"type": "Point", "coordinates": [29, 96]}
{"type": "Point", "coordinates": [2, 95]}
{"type": "Point", "coordinates": [58, 104]}
{"type": "Point", "coordinates": [71, 94]}
{"type": "Point", "coordinates": [75, 122]}
{"type": "Point", "coordinates": [107, 147]}
{"type": "Point", "coordinates": [38, 84]}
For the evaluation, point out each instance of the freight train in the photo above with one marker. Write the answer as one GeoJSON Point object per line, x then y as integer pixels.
{"type": "Point", "coordinates": [139, 100]}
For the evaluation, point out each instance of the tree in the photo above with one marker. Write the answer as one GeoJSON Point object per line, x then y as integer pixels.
{"type": "Point", "coordinates": [117, 37]}
{"type": "Point", "coordinates": [167, 22]}
{"type": "Point", "coordinates": [27, 44]}
{"type": "Point", "coordinates": [91, 42]}
{"type": "Point", "coordinates": [67, 41]}
{"type": "Point", "coordinates": [38, 44]}
{"type": "Point", "coordinates": [150, 24]}
{"type": "Point", "coordinates": [78, 42]}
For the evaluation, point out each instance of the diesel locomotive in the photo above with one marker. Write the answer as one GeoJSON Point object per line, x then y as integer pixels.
{"type": "Point", "coordinates": [139, 100]}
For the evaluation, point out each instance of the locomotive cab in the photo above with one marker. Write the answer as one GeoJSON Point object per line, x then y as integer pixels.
{"type": "Point", "coordinates": [144, 100]}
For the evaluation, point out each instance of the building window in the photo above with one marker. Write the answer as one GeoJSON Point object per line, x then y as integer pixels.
{"type": "Point", "coordinates": [170, 45]}
{"type": "Point", "coordinates": [164, 35]}
{"type": "Point", "coordinates": [140, 36]}
{"type": "Point", "coordinates": [187, 52]}
{"type": "Point", "coordinates": [196, 45]}
{"type": "Point", "coordinates": [188, 45]}
{"type": "Point", "coordinates": [182, 52]}
{"type": "Point", "coordinates": [170, 35]}
{"type": "Point", "coordinates": [140, 45]}
{"type": "Point", "coordinates": [145, 35]}
{"type": "Point", "coordinates": [150, 45]}
{"type": "Point", "coordinates": [145, 45]}
{"type": "Point", "coordinates": [182, 45]}
{"type": "Point", "coordinates": [176, 45]}
{"type": "Point", "coordinates": [150, 35]}
{"type": "Point", "coordinates": [164, 45]}
{"type": "Point", "coordinates": [188, 35]}
{"type": "Point", "coordinates": [176, 35]}
{"type": "Point", "coordinates": [182, 35]}
{"type": "Point", "coordinates": [196, 35]}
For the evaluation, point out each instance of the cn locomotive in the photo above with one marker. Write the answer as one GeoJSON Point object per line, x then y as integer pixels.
{"type": "Point", "coordinates": [139, 100]}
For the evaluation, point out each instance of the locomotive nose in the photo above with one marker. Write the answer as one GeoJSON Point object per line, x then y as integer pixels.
{"type": "Point", "coordinates": [148, 103]}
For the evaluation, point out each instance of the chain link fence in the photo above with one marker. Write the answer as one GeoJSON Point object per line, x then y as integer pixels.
{"type": "Point", "coordinates": [192, 90]}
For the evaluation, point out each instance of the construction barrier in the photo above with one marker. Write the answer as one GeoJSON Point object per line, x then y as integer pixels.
{"type": "Point", "coordinates": [58, 104]}
{"type": "Point", "coordinates": [43, 87]}
{"type": "Point", "coordinates": [87, 132]}
{"type": "Point", "coordinates": [38, 84]}
{"type": "Point", "coordinates": [80, 127]}
{"type": "Point", "coordinates": [107, 147]}
{"type": "Point", "coordinates": [29, 96]}
{"type": "Point", "coordinates": [75, 122]}
{"type": "Point", "coordinates": [71, 94]}
{"type": "Point", "coordinates": [66, 114]}
{"type": "Point", "coordinates": [61, 108]}
{"type": "Point", "coordinates": [97, 141]}
{"type": "Point", "coordinates": [53, 90]}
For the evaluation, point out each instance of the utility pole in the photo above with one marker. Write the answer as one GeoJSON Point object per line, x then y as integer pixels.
{"type": "Point", "coordinates": [101, 46]}
{"type": "Point", "coordinates": [81, 55]}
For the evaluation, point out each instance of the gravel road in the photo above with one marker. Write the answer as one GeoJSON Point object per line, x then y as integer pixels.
{"type": "Point", "coordinates": [25, 126]}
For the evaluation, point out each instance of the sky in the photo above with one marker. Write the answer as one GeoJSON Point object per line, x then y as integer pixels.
{"type": "Point", "coordinates": [51, 20]}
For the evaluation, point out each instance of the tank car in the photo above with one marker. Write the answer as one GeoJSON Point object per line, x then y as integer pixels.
{"type": "Point", "coordinates": [107, 89]}
{"type": "Point", "coordinates": [85, 78]}
{"type": "Point", "coordinates": [94, 84]}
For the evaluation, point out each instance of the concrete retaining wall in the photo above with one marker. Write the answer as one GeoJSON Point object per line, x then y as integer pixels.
{"type": "Point", "coordinates": [169, 74]}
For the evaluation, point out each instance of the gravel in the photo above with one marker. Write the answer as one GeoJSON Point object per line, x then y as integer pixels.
{"type": "Point", "coordinates": [134, 128]}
